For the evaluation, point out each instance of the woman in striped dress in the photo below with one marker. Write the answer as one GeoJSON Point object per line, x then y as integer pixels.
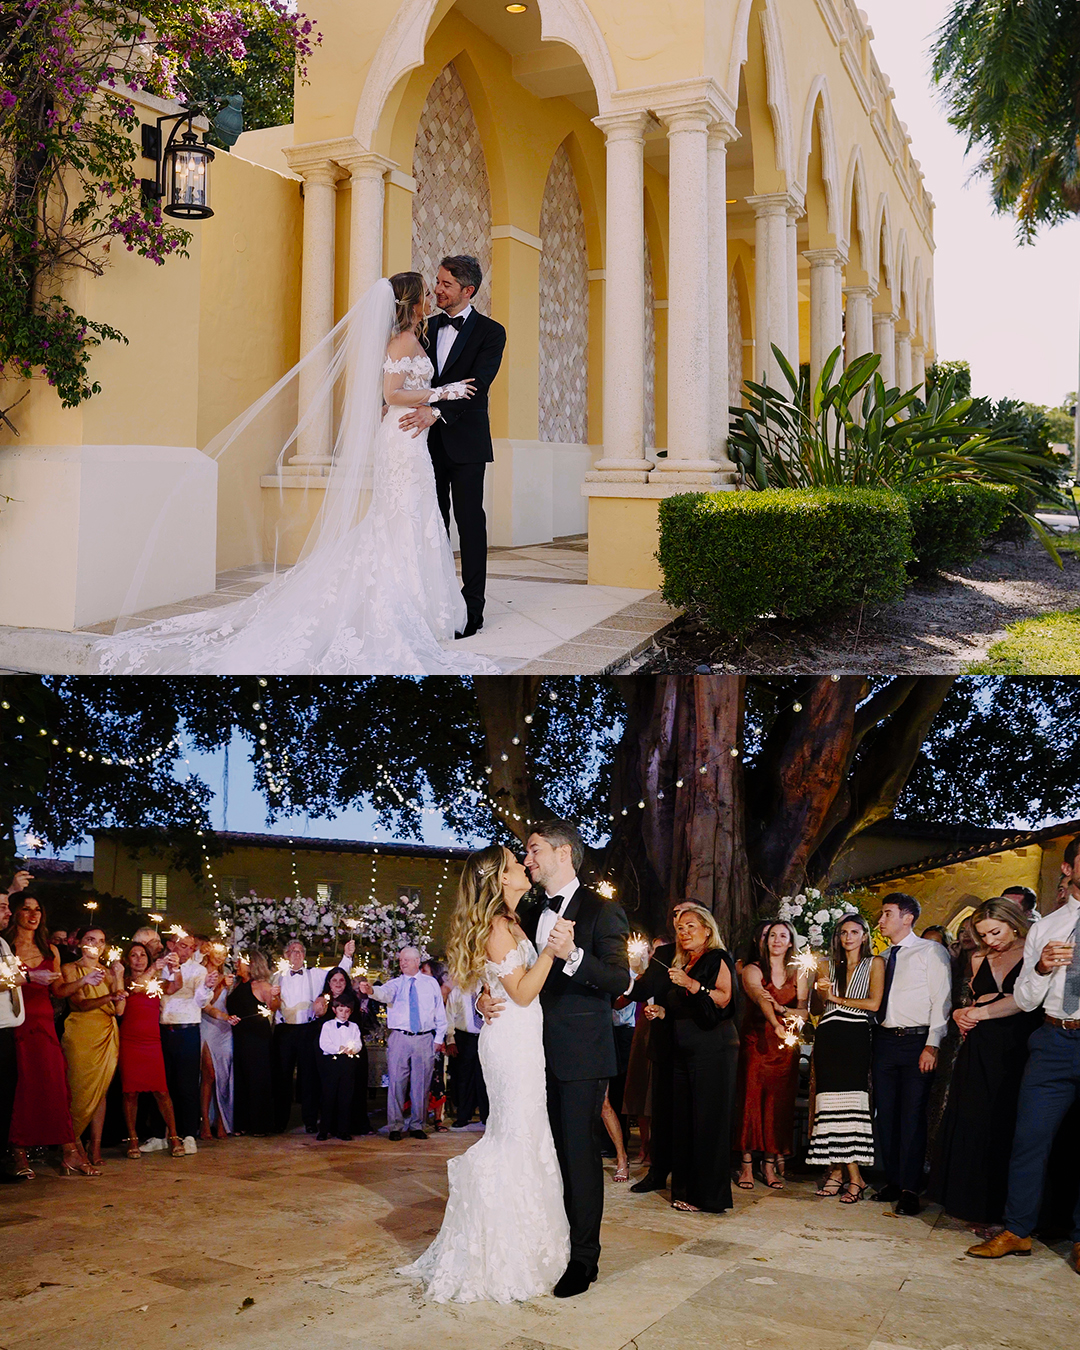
{"type": "Point", "coordinates": [843, 1136]}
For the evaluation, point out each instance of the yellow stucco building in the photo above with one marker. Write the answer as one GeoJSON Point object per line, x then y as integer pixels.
{"type": "Point", "coordinates": [658, 190]}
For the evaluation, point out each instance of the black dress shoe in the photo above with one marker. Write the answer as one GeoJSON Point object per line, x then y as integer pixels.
{"type": "Point", "coordinates": [395, 1135]}
{"type": "Point", "coordinates": [417, 1134]}
{"type": "Point", "coordinates": [575, 1279]}
{"type": "Point", "coordinates": [648, 1183]}
{"type": "Point", "coordinates": [887, 1194]}
{"type": "Point", "coordinates": [908, 1204]}
{"type": "Point", "coordinates": [322, 1136]}
{"type": "Point", "coordinates": [473, 624]}
{"type": "Point", "coordinates": [345, 1138]}
{"type": "Point", "coordinates": [311, 1129]}
{"type": "Point", "coordinates": [6, 1179]}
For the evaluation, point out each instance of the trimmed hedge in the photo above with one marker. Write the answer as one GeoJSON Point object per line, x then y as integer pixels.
{"type": "Point", "coordinates": [740, 557]}
{"type": "Point", "coordinates": [953, 522]}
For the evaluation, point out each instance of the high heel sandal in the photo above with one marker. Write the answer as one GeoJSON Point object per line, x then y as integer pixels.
{"type": "Point", "coordinates": [69, 1168]}
{"type": "Point", "coordinates": [777, 1183]}
{"type": "Point", "coordinates": [823, 1189]}
{"type": "Point", "coordinates": [622, 1173]}
{"type": "Point", "coordinates": [132, 1150]}
{"type": "Point", "coordinates": [25, 1170]}
{"type": "Point", "coordinates": [177, 1150]}
{"type": "Point", "coordinates": [852, 1192]}
{"type": "Point", "coordinates": [745, 1183]}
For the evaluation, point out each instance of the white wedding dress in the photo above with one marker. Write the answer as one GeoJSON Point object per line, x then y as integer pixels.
{"type": "Point", "coordinates": [381, 599]}
{"type": "Point", "coordinates": [505, 1234]}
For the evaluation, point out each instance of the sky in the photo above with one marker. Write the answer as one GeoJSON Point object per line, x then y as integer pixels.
{"type": "Point", "coordinates": [1013, 311]}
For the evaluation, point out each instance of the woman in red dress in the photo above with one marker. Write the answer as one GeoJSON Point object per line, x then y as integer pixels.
{"type": "Point", "coordinates": [769, 1064]}
{"type": "Point", "coordinates": [42, 1114]}
{"type": "Point", "coordinates": [142, 1065]}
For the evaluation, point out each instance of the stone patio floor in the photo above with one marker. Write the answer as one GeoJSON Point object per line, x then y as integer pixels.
{"type": "Point", "coordinates": [542, 617]}
{"type": "Point", "coordinates": [288, 1244]}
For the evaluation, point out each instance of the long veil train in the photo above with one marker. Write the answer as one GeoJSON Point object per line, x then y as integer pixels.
{"type": "Point", "coordinates": [374, 589]}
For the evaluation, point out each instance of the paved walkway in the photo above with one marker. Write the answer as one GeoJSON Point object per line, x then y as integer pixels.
{"type": "Point", "coordinates": [285, 1243]}
{"type": "Point", "coordinates": [542, 617]}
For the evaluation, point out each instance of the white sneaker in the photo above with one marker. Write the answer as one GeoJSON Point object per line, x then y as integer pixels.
{"type": "Point", "coordinates": [153, 1146]}
{"type": "Point", "coordinates": [190, 1145]}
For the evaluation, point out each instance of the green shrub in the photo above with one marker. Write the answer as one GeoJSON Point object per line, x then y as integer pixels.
{"type": "Point", "coordinates": [739, 557]}
{"type": "Point", "coordinates": [952, 522]}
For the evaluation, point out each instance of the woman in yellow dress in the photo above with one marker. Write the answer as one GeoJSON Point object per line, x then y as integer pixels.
{"type": "Point", "coordinates": [91, 1038]}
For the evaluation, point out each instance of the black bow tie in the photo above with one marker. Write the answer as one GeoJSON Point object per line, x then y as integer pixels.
{"type": "Point", "coordinates": [343, 1024]}
{"type": "Point", "coordinates": [456, 321]}
{"type": "Point", "coordinates": [553, 901]}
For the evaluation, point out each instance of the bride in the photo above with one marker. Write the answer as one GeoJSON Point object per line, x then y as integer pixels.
{"type": "Point", "coordinates": [505, 1234]}
{"type": "Point", "coordinates": [376, 591]}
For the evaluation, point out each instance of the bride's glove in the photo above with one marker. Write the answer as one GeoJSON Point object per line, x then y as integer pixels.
{"type": "Point", "coordinates": [460, 389]}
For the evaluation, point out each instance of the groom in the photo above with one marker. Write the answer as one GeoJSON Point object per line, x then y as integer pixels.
{"type": "Point", "coordinates": [462, 345]}
{"type": "Point", "coordinates": [579, 1040]}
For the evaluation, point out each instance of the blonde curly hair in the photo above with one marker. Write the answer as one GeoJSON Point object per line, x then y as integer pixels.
{"type": "Point", "coordinates": [714, 940]}
{"type": "Point", "coordinates": [479, 903]}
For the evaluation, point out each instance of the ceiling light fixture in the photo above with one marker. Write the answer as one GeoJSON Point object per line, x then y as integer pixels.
{"type": "Point", "coordinates": [516, 9]}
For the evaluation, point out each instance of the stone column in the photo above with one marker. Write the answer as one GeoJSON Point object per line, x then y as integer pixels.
{"type": "Point", "coordinates": [721, 395]}
{"type": "Point", "coordinates": [903, 361]}
{"type": "Point", "coordinates": [826, 317]}
{"type": "Point", "coordinates": [795, 211]}
{"type": "Point", "coordinates": [367, 173]}
{"type": "Point", "coordinates": [770, 283]}
{"type": "Point", "coordinates": [860, 322]}
{"type": "Point", "coordinates": [624, 303]}
{"type": "Point", "coordinates": [918, 368]}
{"type": "Point", "coordinates": [885, 346]}
{"type": "Point", "coordinates": [689, 322]}
{"type": "Point", "coordinates": [314, 444]}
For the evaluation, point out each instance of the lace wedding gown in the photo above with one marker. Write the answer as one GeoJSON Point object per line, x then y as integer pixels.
{"type": "Point", "coordinates": [505, 1234]}
{"type": "Point", "coordinates": [382, 601]}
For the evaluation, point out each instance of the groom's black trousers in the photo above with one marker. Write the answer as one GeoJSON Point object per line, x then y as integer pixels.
{"type": "Point", "coordinates": [462, 485]}
{"type": "Point", "coordinates": [574, 1109]}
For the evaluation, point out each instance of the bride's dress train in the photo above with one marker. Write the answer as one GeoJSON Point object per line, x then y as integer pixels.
{"type": "Point", "coordinates": [505, 1234]}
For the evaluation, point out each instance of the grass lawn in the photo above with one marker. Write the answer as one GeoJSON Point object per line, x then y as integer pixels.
{"type": "Point", "coordinates": [1049, 645]}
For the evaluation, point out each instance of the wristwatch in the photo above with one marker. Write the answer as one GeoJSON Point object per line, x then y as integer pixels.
{"type": "Point", "coordinates": [436, 411]}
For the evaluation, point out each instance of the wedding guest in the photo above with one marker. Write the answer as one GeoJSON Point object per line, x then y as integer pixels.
{"type": "Point", "coordinates": [416, 1019]}
{"type": "Point", "coordinates": [12, 1015]}
{"type": "Point", "coordinates": [366, 1018]}
{"type": "Point", "coordinates": [253, 1000]}
{"type": "Point", "coordinates": [637, 1093]}
{"type": "Point", "coordinates": [614, 1128]}
{"type": "Point", "coordinates": [142, 1064]}
{"type": "Point", "coordinates": [768, 1079]}
{"type": "Point", "coordinates": [216, 1052]}
{"type": "Point", "coordinates": [40, 1114]}
{"type": "Point", "coordinates": [1026, 898]}
{"type": "Point", "coordinates": [935, 933]}
{"type": "Point", "coordinates": [961, 951]}
{"type": "Point", "coordinates": [295, 1038]}
{"type": "Point", "coordinates": [623, 1022]}
{"type": "Point", "coordinates": [842, 1138]}
{"type": "Point", "coordinates": [340, 1041]}
{"type": "Point", "coordinates": [181, 1036]}
{"type": "Point", "coordinates": [971, 1167]}
{"type": "Point", "coordinates": [1049, 979]}
{"type": "Point", "coordinates": [336, 985]}
{"type": "Point", "coordinates": [151, 940]}
{"type": "Point", "coordinates": [463, 1027]}
{"type": "Point", "coordinates": [91, 1041]}
{"type": "Point", "coordinates": [911, 1025]}
{"type": "Point", "coordinates": [704, 1050]}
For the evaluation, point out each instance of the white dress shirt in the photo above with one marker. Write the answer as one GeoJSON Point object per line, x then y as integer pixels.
{"type": "Point", "coordinates": [546, 923]}
{"type": "Point", "coordinates": [447, 337]}
{"type": "Point", "coordinates": [1033, 990]}
{"type": "Point", "coordinates": [182, 1008]}
{"type": "Point", "coordinates": [461, 1014]}
{"type": "Point", "coordinates": [300, 989]}
{"type": "Point", "coordinates": [395, 994]}
{"type": "Point", "coordinates": [921, 991]}
{"type": "Point", "coordinates": [9, 997]}
{"type": "Point", "coordinates": [338, 1036]}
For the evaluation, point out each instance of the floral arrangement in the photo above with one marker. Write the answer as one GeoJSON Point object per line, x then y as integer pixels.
{"type": "Point", "coordinates": [391, 927]}
{"type": "Point", "coordinates": [814, 915]}
{"type": "Point", "coordinates": [262, 922]}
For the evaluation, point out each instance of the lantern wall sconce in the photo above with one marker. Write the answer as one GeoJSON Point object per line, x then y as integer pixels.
{"type": "Point", "coordinates": [181, 182]}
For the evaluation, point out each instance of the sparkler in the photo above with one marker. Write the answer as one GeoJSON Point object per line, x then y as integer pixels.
{"type": "Point", "coordinates": [222, 927]}
{"type": "Point", "coordinates": [10, 970]}
{"type": "Point", "coordinates": [153, 988]}
{"type": "Point", "coordinates": [114, 954]}
{"type": "Point", "coordinates": [264, 1011]}
{"type": "Point", "coordinates": [177, 932]}
{"type": "Point", "coordinates": [284, 965]}
{"type": "Point", "coordinates": [807, 962]}
{"type": "Point", "coordinates": [606, 889]}
{"type": "Point", "coordinates": [638, 949]}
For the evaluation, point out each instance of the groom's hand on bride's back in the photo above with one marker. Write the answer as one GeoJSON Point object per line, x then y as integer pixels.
{"type": "Point", "coordinates": [489, 1008]}
{"type": "Point", "coordinates": [421, 418]}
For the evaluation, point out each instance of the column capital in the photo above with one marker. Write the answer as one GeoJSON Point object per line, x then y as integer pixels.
{"type": "Point", "coordinates": [773, 203]}
{"type": "Point", "coordinates": [316, 157]}
{"type": "Point", "coordinates": [825, 257]}
{"type": "Point", "coordinates": [723, 132]}
{"type": "Point", "coordinates": [625, 126]}
{"type": "Point", "coordinates": [869, 291]}
{"type": "Point", "coordinates": [365, 164]}
{"type": "Point", "coordinates": [885, 316]}
{"type": "Point", "coordinates": [693, 115]}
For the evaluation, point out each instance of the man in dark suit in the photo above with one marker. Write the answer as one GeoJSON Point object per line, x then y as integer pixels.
{"type": "Point", "coordinates": [463, 345]}
{"type": "Point", "coordinates": [579, 1041]}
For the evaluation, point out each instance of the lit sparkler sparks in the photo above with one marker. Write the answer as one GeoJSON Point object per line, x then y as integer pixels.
{"type": "Point", "coordinates": [352, 923]}
{"type": "Point", "coordinates": [264, 1011]}
{"type": "Point", "coordinates": [10, 970]}
{"type": "Point", "coordinates": [177, 932]}
{"type": "Point", "coordinates": [153, 988]}
{"type": "Point", "coordinates": [638, 949]}
{"type": "Point", "coordinates": [606, 889]}
{"type": "Point", "coordinates": [284, 965]}
{"type": "Point", "coordinates": [222, 927]}
{"type": "Point", "coordinates": [114, 954]}
{"type": "Point", "coordinates": [807, 962]}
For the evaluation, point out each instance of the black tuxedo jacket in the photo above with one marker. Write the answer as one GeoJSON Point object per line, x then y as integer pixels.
{"type": "Point", "coordinates": [463, 432]}
{"type": "Point", "coordinates": [579, 1041]}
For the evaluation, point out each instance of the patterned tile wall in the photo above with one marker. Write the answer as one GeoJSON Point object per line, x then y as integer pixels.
{"type": "Point", "coordinates": [735, 342]}
{"type": "Point", "coordinates": [564, 309]}
{"type": "Point", "coordinates": [452, 205]}
{"type": "Point", "coordinates": [650, 345]}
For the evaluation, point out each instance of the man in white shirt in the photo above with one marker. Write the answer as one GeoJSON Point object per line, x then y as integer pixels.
{"type": "Point", "coordinates": [463, 1025]}
{"type": "Point", "coordinates": [181, 1035]}
{"type": "Point", "coordinates": [1049, 979]}
{"type": "Point", "coordinates": [296, 1036]}
{"type": "Point", "coordinates": [416, 1019]}
{"type": "Point", "coordinates": [911, 1024]}
{"type": "Point", "coordinates": [12, 1015]}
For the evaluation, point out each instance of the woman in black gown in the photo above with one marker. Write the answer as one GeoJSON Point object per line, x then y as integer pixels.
{"type": "Point", "coordinates": [971, 1166]}
{"type": "Point", "coordinates": [253, 999]}
{"type": "Point", "coordinates": [697, 995]}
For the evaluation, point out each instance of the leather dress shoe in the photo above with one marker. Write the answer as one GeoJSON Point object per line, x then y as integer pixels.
{"type": "Point", "coordinates": [575, 1279]}
{"type": "Point", "coordinates": [417, 1134]}
{"type": "Point", "coordinates": [7, 1179]}
{"type": "Point", "coordinates": [395, 1135]}
{"type": "Point", "coordinates": [322, 1136]}
{"type": "Point", "coordinates": [473, 624]}
{"type": "Point", "coordinates": [908, 1204]}
{"type": "Point", "coordinates": [887, 1194]}
{"type": "Point", "coordinates": [1005, 1244]}
{"type": "Point", "coordinates": [648, 1183]}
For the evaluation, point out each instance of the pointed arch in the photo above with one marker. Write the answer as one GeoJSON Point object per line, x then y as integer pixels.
{"type": "Point", "coordinates": [918, 297]}
{"type": "Point", "coordinates": [778, 88]}
{"type": "Point", "coordinates": [819, 107]}
{"type": "Point", "coordinates": [857, 220]}
{"type": "Point", "coordinates": [902, 299]}
{"type": "Point", "coordinates": [884, 271]}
